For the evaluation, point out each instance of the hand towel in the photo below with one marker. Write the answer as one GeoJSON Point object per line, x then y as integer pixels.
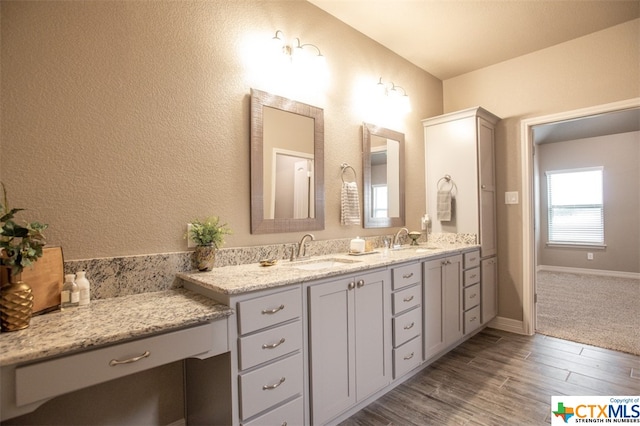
{"type": "Point", "coordinates": [444, 206]}
{"type": "Point", "coordinates": [350, 204]}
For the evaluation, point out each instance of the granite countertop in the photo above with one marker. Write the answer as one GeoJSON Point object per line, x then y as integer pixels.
{"type": "Point", "coordinates": [108, 321]}
{"type": "Point", "coordinates": [239, 279]}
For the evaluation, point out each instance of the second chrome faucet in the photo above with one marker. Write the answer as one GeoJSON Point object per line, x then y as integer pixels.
{"type": "Point", "coordinates": [301, 251]}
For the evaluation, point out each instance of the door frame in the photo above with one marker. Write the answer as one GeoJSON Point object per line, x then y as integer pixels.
{"type": "Point", "coordinates": [528, 201]}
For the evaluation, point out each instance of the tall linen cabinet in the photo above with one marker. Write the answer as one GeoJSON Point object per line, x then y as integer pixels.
{"type": "Point", "coordinates": [459, 163]}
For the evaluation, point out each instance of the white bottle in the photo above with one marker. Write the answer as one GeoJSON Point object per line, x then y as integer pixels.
{"type": "Point", "coordinates": [356, 245]}
{"type": "Point", "coordinates": [83, 285]}
{"type": "Point", "coordinates": [70, 296]}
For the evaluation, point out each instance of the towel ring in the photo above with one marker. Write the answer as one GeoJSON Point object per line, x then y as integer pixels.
{"type": "Point", "coordinates": [448, 180]}
{"type": "Point", "coordinates": [346, 166]}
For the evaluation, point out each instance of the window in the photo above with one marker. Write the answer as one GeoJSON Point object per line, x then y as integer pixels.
{"type": "Point", "coordinates": [575, 206]}
{"type": "Point", "coordinates": [379, 201]}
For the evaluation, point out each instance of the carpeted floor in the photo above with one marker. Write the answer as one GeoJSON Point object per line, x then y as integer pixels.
{"type": "Point", "coordinates": [596, 310]}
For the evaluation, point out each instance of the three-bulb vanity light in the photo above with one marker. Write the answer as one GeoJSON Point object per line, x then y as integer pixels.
{"type": "Point", "coordinates": [297, 52]}
{"type": "Point", "coordinates": [396, 95]}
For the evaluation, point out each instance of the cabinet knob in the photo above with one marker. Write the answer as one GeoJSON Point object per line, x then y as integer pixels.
{"type": "Point", "coordinates": [351, 285]}
{"type": "Point", "coordinates": [360, 283]}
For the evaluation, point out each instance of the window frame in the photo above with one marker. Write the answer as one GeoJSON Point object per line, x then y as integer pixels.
{"type": "Point", "coordinates": [572, 243]}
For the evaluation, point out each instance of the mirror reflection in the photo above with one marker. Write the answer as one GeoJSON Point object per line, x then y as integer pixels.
{"type": "Point", "coordinates": [383, 161]}
{"type": "Point", "coordinates": [287, 163]}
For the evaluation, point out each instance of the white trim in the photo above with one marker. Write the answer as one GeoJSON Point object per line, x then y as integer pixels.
{"type": "Point", "coordinates": [508, 324]}
{"type": "Point", "coordinates": [528, 240]}
{"type": "Point", "coordinates": [585, 271]}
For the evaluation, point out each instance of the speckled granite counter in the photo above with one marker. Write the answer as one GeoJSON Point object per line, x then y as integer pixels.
{"type": "Point", "coordinates": [108, 321]}
{"type": "Point", "coordinates": [233, 280]}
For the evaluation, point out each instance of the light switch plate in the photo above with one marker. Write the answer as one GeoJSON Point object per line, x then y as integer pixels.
{"type": "Point", "coordinates": [511, 197]}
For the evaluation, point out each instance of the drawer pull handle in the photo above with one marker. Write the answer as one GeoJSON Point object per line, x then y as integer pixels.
{"type": "Point", "coordinates": [273, 345]}
{"type": "Point", "coordinates": [410, 326]}
{"type": "Point", "coordinates": [473, 259]}
{"type": "Point", "coordinates": [473, 319]}
{"type": "Point", "coordinates": [407, 276]}
{"type": "Point", "coordinates": [115, 362]}
{"type": "Point", "coordinates": [472, 276]}
{"type": "Point", "coordinates": [407, 299]}
{"type": "Point", "coordinates": [408, 357]}
{"type": "Point", "coordinates": [272, 311]}
{"type": "Point", "coordinates": [473, 296]}
{"type": "Point", "coordinates": [270, 387]}
{"type": "Point", "coordinates": [360, 283]}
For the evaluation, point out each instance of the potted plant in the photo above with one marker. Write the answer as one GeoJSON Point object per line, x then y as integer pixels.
{"type": "Point", "coordinates": [208, 234]}
{"type": "Point", "coordinates": [20, 247]}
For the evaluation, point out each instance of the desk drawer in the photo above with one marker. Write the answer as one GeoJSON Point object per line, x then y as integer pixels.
{"type": "Point", "coordinates": [55, 377]}
{"type": "Point", "coordinates": [270, 385]}
{"type": "Point", "coordinates": [263, 312]}
{"type": "Point", "coordinates": [407, 357]}
{"type": "Point", "coordinates": [404, 276]}
{"type": "Point", "coordinates": [270, 344]}
{"type": "Point", "coordinates": [407, 326]}
{"type": "Point", "coordinates": [471, 296]}
{"type": "Point", "coordinates": [471, 276]}
{"type": "Point", "coordinates": [406, 299]}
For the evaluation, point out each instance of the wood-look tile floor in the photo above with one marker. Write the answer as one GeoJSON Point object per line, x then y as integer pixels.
{"type": "Point", "coordinates": [501, 378]}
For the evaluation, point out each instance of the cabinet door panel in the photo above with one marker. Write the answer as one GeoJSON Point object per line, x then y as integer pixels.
{"type": "Point", "coordinates": [432, 305]}
{"type": "Point", "coordinates": [332, 349]}
{"type": "Point", "coordinates": [371, 368]}
{"type": "Point", "coordinates": [489, 284]}
{"type": "Point", "coordinates": [452, 318]}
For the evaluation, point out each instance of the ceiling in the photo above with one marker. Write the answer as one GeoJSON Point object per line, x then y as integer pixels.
{"type": "Point", "coordinates": [448, 38]}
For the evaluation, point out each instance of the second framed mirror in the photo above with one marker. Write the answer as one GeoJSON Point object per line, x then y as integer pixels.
{"type": "Point", "coordinates": [383, 176]}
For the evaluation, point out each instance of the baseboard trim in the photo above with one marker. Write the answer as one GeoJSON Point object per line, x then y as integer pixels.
{"type": "Point", "coordinates": [508, 324]}
{"type": "Point", "coordinates": [601, 272]}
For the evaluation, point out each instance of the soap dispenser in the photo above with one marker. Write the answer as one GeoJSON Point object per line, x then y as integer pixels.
{"type": "Point", "coordinates": [84, 287]}
{"type": "Point", "coordinates": [70, 295]}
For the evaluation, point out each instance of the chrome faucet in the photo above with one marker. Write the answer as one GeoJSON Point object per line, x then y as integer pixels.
{"type": "Point", "coordinates": [302, 247]}
{"type": "Point", "coordinates": [395, 237]}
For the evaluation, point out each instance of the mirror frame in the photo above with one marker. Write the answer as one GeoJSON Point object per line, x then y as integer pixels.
{"type": "Point", "coordinates": [380, 222]}
{"type": "Point", "coordinates": [260, 225]}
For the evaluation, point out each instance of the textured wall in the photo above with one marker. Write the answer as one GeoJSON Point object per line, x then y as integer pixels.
{"type": "Point", "coordinates": [596, 69]}
{"type": "Point", "coordinates": [122, 121]}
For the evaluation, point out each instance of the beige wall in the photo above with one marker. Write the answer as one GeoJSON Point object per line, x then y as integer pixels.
{"type": "Point", "coordinates": [596, 69]}
{"type": "Point", "coordinates": [619, 154]}
{"type": "Point", "coordinates": [123, 121]}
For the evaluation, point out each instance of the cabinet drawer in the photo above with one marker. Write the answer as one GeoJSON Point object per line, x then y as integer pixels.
{"type": "Point", "coordinates": [263, 312]}
{"type": "Point", "coordinates": [471, 320]}
{"type": "Point", "coordinates": [407, 357]}
{"type": "Point", "coordinates": [291, 413]}
{"type": "Point", "coordinates": [269, 385]}
{"type": "Point", "coordinates": [270, 344]}
{"type": "Point", "coordinates": [472, 259]}
{"type": "Point", "coordinates": [84, 369]}
{"type": "Point", "coordinates": [406, 275]}
{"type": "Point", "coordinates": [406, 299]}
{"type": "Point", "coordinates": [471, 296]}
{"type": "Point", "coordinates": [471, 276]}
{"type": "Point", "coordinates": [407, 326]}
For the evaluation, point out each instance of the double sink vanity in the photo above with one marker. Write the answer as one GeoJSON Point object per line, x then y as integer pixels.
{"type": "Point", "coordinates": [304, 342]}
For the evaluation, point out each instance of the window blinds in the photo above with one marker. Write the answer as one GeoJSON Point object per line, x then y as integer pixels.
{"type": "Point", "coordinates": [575, 206]}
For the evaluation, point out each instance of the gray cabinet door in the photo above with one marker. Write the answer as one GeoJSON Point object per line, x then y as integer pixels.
{"type": "Point", "coordinates": [332, 348]}
{"type": "Point", "coordinates": [347, 342]}
{"type": "Point", "coordinates": [452, 315]}
{"type": "Point", "coordinates": [432, 305]}
{"type": "Point", "coordinates": [488, 243]}
{"type": "Point", "coordinates": [489, 283]}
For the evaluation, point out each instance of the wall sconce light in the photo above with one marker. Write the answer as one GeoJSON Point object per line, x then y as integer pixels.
{"type": "Point", "coordinates": [298, 52]}
{"type": "Point", "coordinates": [396, 95]}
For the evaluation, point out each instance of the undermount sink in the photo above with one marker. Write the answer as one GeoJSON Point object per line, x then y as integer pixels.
{"type": "Point", "coordinates": [315, 265]}
{"type": "Point", "coordinates": [419, 248]}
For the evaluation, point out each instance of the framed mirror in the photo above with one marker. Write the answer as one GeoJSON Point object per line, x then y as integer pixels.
{"type": "Point", "coordinates": [383, 176]}
{"type": "Point", "coordinates": [287, 165]}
